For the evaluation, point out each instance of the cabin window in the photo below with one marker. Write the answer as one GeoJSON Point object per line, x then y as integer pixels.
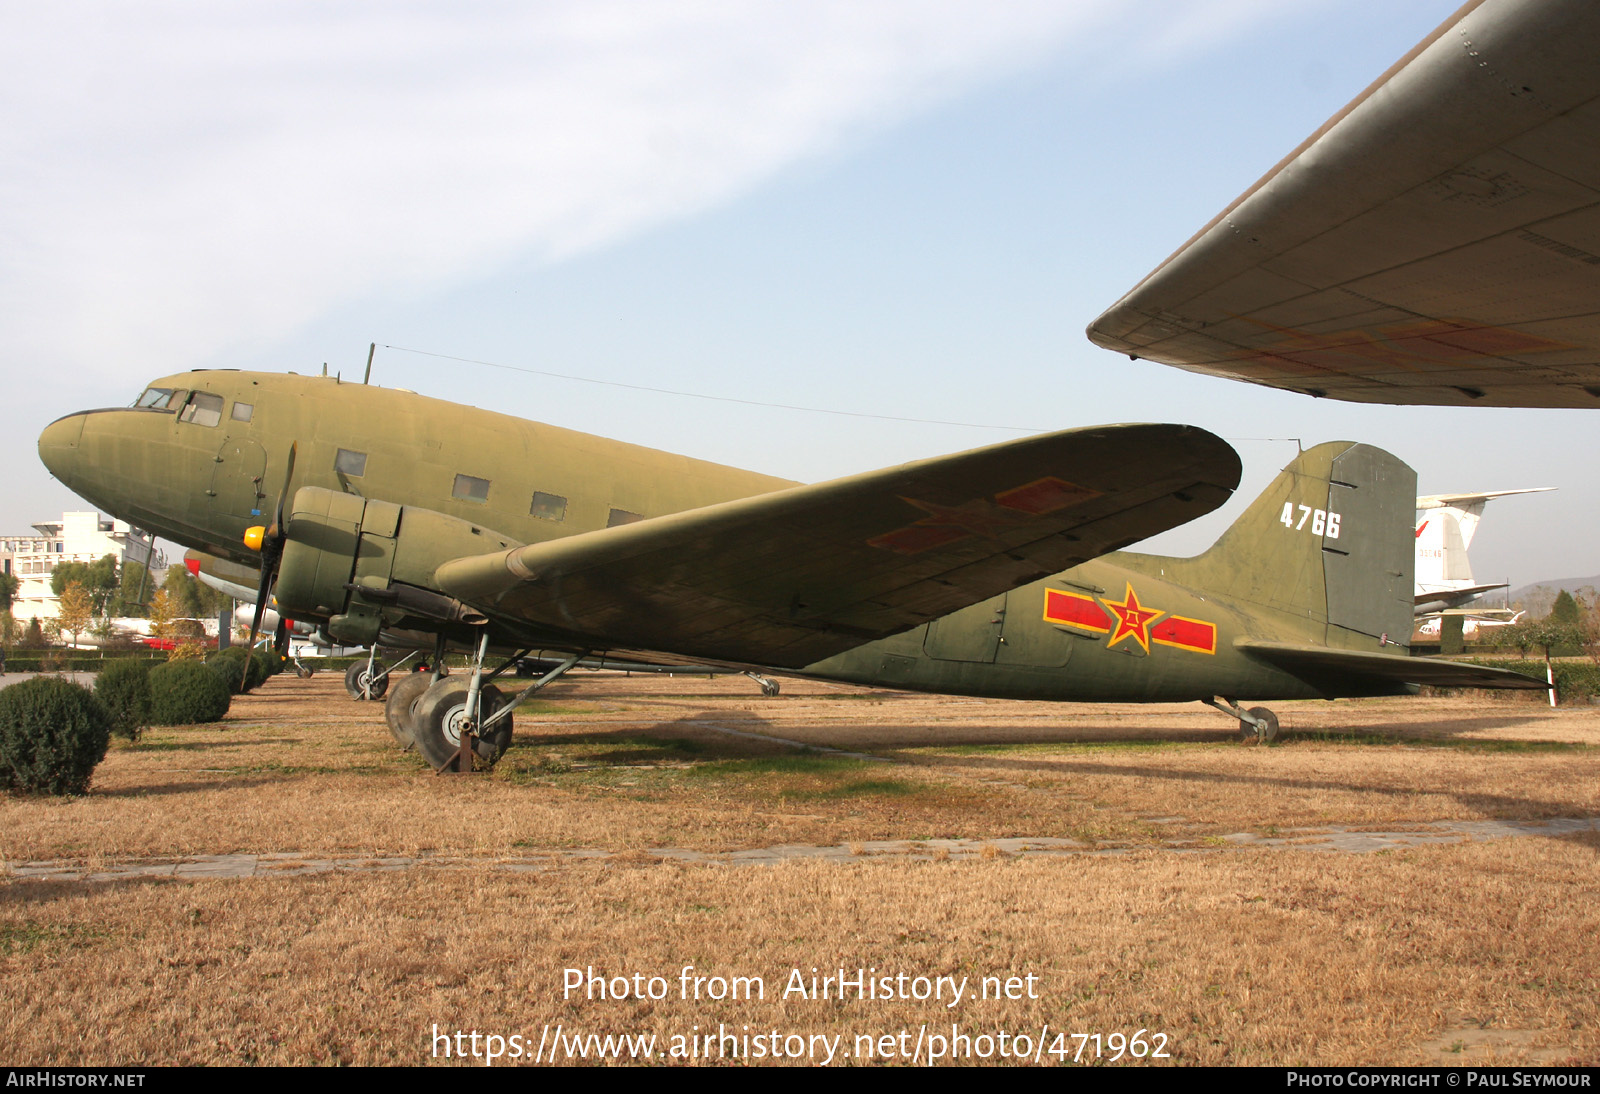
{"type": "Point", "coordinates": [548, 506]}
{"type": "Point", "coordinates": [353, 464]}
{"type": "Point", "coordinates": [621, 516]}
{"type": "Point", "coordinates": [203, 408]}
{"type": "Point", "coordinates": [157, 398]}
{"type": "Point", "coordinates": [470, 488]}
{"type": "Point", "coordinates": [243, 412]}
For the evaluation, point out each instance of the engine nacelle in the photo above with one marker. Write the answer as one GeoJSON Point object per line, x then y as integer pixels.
{"type": "Point", "coordinates": [361, 564]}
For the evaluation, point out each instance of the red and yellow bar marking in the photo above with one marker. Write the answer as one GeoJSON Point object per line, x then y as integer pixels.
{"type": "Point", "coordinates": [1075, 610]}
{"type": "Point", "coordinates": [1186, 634]}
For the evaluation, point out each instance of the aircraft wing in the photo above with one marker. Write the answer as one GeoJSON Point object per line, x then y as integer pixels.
{"type": "Point", "coordinates": [1435, 242]}
{"type": "Point", "coordinates": [1323, 664]}
{"type": "Point", "coordinates": [789, 578]}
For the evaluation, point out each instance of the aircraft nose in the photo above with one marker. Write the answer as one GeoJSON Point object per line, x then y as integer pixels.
{"type": "Point", "coordinates": [58, 444]}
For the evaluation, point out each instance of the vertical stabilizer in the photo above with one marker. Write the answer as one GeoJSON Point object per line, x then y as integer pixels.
{"type": "Point", "coordinates": [1326, 548]}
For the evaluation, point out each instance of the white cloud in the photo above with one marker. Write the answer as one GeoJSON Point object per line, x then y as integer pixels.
{"type": "Point", "coordinates": [185, 176]}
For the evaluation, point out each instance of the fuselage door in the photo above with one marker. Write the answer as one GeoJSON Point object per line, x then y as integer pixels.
{"type": "Point", "coordinates": [236, 480]}
{"type": "Point", "coordinates": [972, 634]}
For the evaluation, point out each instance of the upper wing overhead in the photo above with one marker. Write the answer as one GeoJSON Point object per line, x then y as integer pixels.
{"type": "Point", "coordinates": [789, 578]}
{"type": "Point", "coordinates": [1437, 241]}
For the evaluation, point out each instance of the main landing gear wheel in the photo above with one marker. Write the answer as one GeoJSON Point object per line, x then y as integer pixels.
{"type": "Point", "coordinates": [1265, 732]}
{"type": "Point", "coordinates": [400, 708]}
{"type": "Point", "coordinates": [439, 716]}
{"type": "Point", "coordinates": [360, 687]}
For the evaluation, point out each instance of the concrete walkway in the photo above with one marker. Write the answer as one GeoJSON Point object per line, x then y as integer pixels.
{"type": "Point", "coordinates": [291, 863]}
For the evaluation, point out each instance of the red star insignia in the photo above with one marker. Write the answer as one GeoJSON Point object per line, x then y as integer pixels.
{"type": "Point", "coordinates": [978, 518]}
{"type": "Point", "coordinates": [1133, 619]}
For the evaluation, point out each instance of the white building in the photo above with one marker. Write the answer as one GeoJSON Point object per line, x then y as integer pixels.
{"type": "Point", "coordinates": [76, 537]}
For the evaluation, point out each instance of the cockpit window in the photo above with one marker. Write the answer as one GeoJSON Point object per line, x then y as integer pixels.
{"type": "Point", "coordinates": [158, 398]}
{"type": "Point", "coordinates": [203, 408]}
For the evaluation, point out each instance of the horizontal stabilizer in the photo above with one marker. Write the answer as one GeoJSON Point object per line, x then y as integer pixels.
{"type": "Point", "coordinates": [1321, 664]}
{"type": "Point", "coordinates": [789, 578]}
{"type": "Point", "coordinates": [1461, 501]}
{"type": "Point", "coordinates": [1455, 596]}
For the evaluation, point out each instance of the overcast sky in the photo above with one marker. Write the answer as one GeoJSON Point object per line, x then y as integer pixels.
{"type": "Point", "coordinates": [907, 209]}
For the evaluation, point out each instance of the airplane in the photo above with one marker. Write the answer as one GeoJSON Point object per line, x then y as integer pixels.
{"type": "Point", "coordinates": [1444, 574]}
{"type": "Point", "coordinates": [1437, 241]}
{"type": "Point", "coordinates": [995, 572]}
{"type": "Point", "coordinates": [1473, 624]}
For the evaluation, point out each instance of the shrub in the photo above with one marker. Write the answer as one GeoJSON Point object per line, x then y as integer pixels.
{"type": "Point", "coordinates": [124, 688]}
{"type": "Point", "coordinates": [185, 692]}
{"type": "Point", "coordinates": [230, 669]}
{"type": "Point", "coordinates": [52, 733]}
{"type": "Point", "coordinates": [263, 665]}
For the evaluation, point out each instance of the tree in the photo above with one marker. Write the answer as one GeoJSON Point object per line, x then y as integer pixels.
{"type": "Point", "coordinates": [34, 638]}
{"type": "Point", "coordinates": [132, 591]}
{"type": "Point", "coordinates": [98, 579]}
{"type": "Point", "coordinates": [161, 614]}
{"type": "Point", "coordinates": [189, 598]}
{"type": "Point", "coordinates": [75, 611]}
{"type": "Point", "coordinates": [1565, 610]}
{"type": "Point", "coordinates": [9, 585]}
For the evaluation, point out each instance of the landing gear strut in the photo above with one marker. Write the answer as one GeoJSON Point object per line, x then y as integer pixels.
{"type": "Point", "coordinates": [1256, 724]}
{"type": "Point", "coordinates": [371, 681]}
{"type": "Point", "coordinates": [769, 686]}
{"type": "Point", "coordinates": [458, 720]}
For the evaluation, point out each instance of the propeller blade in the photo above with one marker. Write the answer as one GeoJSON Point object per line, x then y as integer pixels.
{"type": "Point", "coordinates": [272, 548]}
{"type": "Point", "coordinates": [283, 491]}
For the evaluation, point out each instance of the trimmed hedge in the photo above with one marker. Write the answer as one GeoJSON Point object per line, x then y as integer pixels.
{"type": "Point", "coordinates": [52, 733]}
{"type": "Point", "coordinates": [124, 688]}
{"type": "Point", "coordinates": [1576, 681]}
{"type": "Point", "coordinates": [185, 693]}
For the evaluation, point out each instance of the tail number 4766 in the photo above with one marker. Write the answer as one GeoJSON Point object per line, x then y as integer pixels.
{"type": "Point", "coordinates": [1322, 522]}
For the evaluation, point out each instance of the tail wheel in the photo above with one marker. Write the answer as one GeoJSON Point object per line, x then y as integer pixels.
{"type": "Point", "coordinates": [360, 686]}
{"type": "Point", "coordinates": [440, 714]}
{"type": "Point", "coordinates": [1265, 730]}
{"type": "Point", "coordinates": [401, 706]}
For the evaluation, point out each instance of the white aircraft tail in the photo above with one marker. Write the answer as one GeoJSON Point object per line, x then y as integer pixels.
{"type": "Point", "coordinates": [1444, 533]}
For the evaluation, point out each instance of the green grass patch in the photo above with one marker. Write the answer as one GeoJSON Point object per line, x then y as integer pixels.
{"type": "Point", "coordinates": [861, 788]}
{"type": "Point", "coordinates": [30, 935]}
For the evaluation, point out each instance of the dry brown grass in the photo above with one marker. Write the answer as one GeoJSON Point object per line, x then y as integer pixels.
{"type": "Point", "coordinates": [1477, 952]}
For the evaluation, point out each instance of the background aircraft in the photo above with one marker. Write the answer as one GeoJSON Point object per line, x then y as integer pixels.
{"type": "Point", "coordinates": [389, 510]}
{"type": "Point", "coordinates": [1437, 241]}
{"type": "Point", "coordinates": [1444, 573]}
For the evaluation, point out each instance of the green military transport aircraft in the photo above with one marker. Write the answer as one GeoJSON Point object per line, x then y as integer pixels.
{"type": "Point", "coordinates": [993, 572]}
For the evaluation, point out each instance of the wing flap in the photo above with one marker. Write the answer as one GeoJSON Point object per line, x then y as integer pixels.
{"type": "Point", "coordinates": [789, 578]}
{"type": "Point", "coordinates": [1321, 663]}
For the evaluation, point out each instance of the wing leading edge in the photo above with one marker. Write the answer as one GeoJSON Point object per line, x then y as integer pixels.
{"type": "Point", "coordinates": [1436, 242]}
{"type": "Point", "coordinates": [789, 578]}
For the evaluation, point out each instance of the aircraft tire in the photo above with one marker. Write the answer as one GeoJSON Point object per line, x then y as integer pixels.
{"type": "Point", "coordinates": [1265, 733]}
{"type": "Point", "coordinates": [436, 722]}
{"type": "Point", "coordinates": [401, 705]}
{"type": "Point", "coordinates": [355, 676]}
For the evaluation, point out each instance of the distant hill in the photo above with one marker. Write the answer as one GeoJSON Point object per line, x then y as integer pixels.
{"type": "Point", "coordinates": [1539, 596]}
